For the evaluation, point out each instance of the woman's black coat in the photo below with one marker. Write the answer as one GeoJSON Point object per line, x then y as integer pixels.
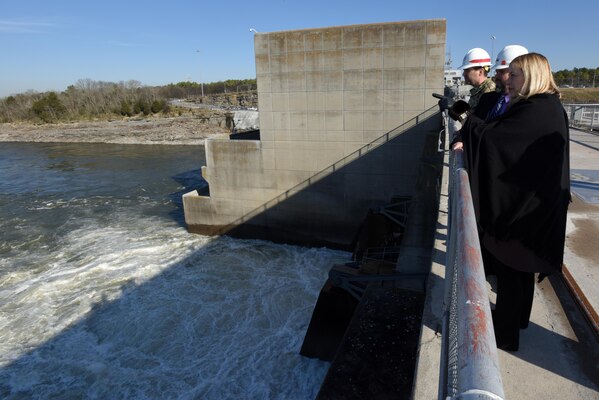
{"type": "Point", "coordinates": [520, 180]}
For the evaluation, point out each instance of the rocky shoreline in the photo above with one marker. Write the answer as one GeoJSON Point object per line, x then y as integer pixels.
{"type": "Point", "coordinates": [182, 130]}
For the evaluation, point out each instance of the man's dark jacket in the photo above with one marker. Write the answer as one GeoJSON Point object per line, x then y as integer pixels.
{"type": "Point", "coordinates": [486, 103]}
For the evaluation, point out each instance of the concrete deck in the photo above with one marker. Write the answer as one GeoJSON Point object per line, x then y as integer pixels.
{"type": "Point", "coordinates": [581, 256]}
{"type": "Point", "coordinates": [559, 352]}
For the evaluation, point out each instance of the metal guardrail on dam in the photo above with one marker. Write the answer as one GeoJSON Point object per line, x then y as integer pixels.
{"type": "Point", "coordinates": [585, 116]}
{"type": "Point", "coordinates": [469, 361]}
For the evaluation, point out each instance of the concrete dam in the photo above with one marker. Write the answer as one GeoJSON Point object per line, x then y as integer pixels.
{"type": "Point", "coordinates": [325, 95]}
{"type": "Point", "coordinates": [347, 157]}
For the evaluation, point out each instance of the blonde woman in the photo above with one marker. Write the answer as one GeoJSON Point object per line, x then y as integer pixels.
{"type": "Point", "coordinates": [520, 180]}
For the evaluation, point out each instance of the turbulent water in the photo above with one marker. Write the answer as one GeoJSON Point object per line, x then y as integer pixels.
{"type": "Point", "coordinates": [104, 295]}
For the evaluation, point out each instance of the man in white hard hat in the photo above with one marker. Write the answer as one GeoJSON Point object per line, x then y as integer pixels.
{"type": "Point", "coordinates": [492, 105]}
{"type": "Point", "coordinates": [476, 66]}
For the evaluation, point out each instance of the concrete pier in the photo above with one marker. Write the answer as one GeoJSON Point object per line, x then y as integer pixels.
{"type": "Point", "coordinates": [325, 94]}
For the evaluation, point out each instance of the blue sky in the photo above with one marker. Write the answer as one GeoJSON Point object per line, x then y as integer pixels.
{"type": "Point", "coordinates": [49, 45]}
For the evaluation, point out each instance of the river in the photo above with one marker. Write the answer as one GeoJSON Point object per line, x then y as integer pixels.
{"type": "Point", "coordinates": [104, 294]}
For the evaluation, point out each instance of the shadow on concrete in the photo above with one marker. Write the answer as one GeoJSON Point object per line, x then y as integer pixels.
{"type": "Point", "coordinates": [339, 197]}
{"type": "Point", "coordinates": [584, 144]}
{"type": "Point", "coordinates": [584, 185]}
{"type": "Point", "coordinates": [552, 351]}
{"type": "Point", "coordinates": [587, 191]}
{"type": "Point", "coordinates": [586, 348]}
{"type": "Point", "coordinates": [560, 355]}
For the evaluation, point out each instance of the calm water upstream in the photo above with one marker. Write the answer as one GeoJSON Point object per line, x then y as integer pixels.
{"type": "Point", "coordinates": [104, 295]}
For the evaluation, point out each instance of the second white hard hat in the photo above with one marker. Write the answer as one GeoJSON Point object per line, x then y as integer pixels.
{"type": "Point", "coordinates": [507, 54]}
{"type": "Point", "coordinates": [476, 57]}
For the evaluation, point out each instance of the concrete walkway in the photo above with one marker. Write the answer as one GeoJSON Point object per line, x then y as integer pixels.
{"type": "Point", "coordinates": [559, 352]}
{"type": "Point", "coordinates": [581, 256]}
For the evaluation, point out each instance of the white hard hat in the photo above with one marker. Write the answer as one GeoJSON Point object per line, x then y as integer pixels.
{"type": "Point", "coordinates": [507, 54]}
{"type": "Point", "coordinates": [476, 57]}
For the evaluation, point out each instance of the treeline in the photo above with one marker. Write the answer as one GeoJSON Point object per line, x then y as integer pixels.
{"type": "Point", "coordinates": [577, 77]}
{"type": "Point", "coordinates": [88, 99]}
{"type": "Point", "coordinates": [194, 89]}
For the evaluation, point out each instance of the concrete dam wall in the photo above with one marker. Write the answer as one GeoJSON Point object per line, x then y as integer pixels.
{"type": "Point", "coordinates": [326, 95]}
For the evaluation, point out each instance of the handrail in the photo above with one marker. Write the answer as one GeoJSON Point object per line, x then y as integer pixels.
{"type": "Point", "coordinates": [583, 115]}
{"type": "Point", "coordinates": [469, 362]}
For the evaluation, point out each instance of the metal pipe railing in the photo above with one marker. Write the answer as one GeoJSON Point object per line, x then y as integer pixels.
{"type": "Point", "coordinates": [583, 115]}
{"type": "Point", "coordinates": [469, 364]}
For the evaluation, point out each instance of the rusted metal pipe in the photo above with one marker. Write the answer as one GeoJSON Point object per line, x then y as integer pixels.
{"type": "Point", "coordinates": [470, 365]}
{"type": "Point", "coordinates": [477, 352]}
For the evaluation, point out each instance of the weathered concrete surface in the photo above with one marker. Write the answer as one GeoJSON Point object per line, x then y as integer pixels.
{"type": "Point", "coordinates": [323, 210]}
{"type": "Point", "coordinates": [323, 95]}
{"type": "Point", "coordinates": [581, 256]}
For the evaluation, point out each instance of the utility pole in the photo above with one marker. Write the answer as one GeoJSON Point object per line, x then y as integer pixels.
{"type": "Point", "coordinates": [448, 60]}
{"type": "Point", "coordinates": [493, 48]}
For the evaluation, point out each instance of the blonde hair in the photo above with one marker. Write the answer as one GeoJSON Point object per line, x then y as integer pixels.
{"type": "Point", "coordinates": [537, 75]}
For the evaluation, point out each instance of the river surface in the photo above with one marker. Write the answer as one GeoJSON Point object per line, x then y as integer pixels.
{"type": "Point", "coordinates": [104, 294]}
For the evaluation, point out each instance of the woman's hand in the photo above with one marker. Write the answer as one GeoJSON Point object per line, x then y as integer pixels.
{"type": "Point", "coordinates": [457, 146]}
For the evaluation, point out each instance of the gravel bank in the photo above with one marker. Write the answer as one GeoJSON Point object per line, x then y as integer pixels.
{"type": "Point", "coordinates": [175, 130]}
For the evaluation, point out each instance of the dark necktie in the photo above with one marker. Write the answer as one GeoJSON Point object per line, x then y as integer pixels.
{"type": "Point", "coordinates": [497, 109]}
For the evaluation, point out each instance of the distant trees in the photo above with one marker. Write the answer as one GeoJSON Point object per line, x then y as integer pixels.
{"type": "Point", "coordinates": [89, 99]}
{"type": "Point", "coordinates": [17, 107]}
{"type": "Point", "coordinates": [49, 108]}
{"type": "Point", "coordinates": [181, 90]}
{"type": "Point", "coordinates": [193, 89]}
{"type": "Point", "coordinates": [577, 77]}
{"type": "Point", "coordinates": [86, 99]}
